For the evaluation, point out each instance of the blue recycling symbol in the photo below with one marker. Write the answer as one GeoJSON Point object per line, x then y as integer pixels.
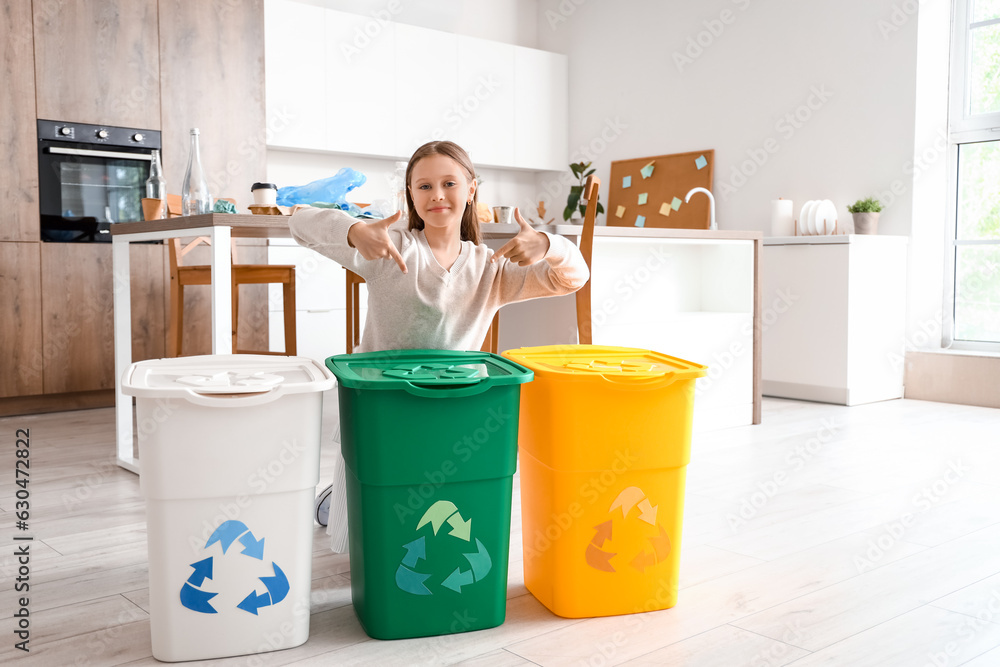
{"type": "Point", "coordinates": [196, 599]}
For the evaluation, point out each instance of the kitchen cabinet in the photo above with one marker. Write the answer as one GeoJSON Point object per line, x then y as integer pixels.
{"type": "Point", "coordinates": [691, 296]}
{"type": "Point", "coordinates": [483, 115]}
{"type": "Point", "coordinates": [77, 315]}
{"type": "Point", "coordinates": [97, 62]}
{"type": "Point", "coordinates": [426, 85]}
{"type": "Point", "coordinates": [295, 96]}
{"type": "Point", "coordinates": [361, 99]}
{"type": "Point", "coordinates": [383, 88]}
{"type": "Point", "coordinates": [541, 96]}
{"type": "Point", "coordinates": [19, 170]}
{"type": "Point", "coordinates": [834, 317]}
{"type": "Point", "coordinates": [21, 324]}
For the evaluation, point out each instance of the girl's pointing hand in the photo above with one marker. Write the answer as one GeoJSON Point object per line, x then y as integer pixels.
{"type": "Point", "coordinates": [372, 240]}
{"type": "Point", "coordinates": [527, 247]}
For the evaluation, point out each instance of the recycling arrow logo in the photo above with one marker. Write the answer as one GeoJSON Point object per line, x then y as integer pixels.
{"type": "Point", "coordinates": [196, 598]}
{"type": "Point", "coordinates": [656, 547]}
{"type": "Point", "coordinates": [408, 577]}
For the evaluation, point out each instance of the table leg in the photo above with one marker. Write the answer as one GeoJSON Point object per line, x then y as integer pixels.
{"type": "Point", "coordinates": [222, 294]}
{"type": "Point", "coordinates": [121, 273]}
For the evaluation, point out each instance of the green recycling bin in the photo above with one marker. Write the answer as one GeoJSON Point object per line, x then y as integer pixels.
{"type": "Point", "coordinates": [429, 439]}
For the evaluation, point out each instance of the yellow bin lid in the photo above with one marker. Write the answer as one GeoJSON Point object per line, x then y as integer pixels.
{"type": "Point", "coordinates": [643, 369]}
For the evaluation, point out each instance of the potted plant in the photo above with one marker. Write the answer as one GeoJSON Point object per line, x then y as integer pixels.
{"type": "Point", "coordinates": [574, 203]}
{"type": "Point", "coordinates": [865, 213]}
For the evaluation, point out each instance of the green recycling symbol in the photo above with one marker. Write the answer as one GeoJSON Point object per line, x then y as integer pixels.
{"type": "Point", "coordinates": [410, 580]}
{"type": "Point", "coordinates": [431, 371]}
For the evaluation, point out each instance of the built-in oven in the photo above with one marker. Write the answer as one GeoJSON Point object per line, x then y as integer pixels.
{"type": "Point", "coordinates": [90, 177]}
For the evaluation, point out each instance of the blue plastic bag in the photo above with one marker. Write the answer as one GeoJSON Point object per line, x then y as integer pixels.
{"type": "Point", "coordinates": [332, 190]}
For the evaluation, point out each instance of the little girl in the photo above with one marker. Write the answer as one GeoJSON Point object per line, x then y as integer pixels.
{"type": "Point", "coordinates": [432, 284]}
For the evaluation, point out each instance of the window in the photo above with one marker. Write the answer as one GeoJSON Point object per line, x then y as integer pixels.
{"type": "Point", "coordinates": [973, 267]}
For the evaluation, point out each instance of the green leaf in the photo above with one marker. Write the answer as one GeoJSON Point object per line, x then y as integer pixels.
{"type": "Point", "coordinates": [568, 212]}
{"type": "Point", "coordinates": [589, 173]}
{"type": "Point", "coordinates": [600, 208]}
{"type": "Point", "coordinates": [573, 200]}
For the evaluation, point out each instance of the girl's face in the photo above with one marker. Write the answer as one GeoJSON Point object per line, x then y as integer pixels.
{"type": "Point", "coordinates": [440, 190]}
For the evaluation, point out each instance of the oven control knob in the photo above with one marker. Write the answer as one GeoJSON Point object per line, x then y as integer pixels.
{"type": "Point", "coordinates": [65, 130]}
{"type": "Point", "coordinates": [138, 136]}
{"type": "Point", "coordinates": [102, 134]}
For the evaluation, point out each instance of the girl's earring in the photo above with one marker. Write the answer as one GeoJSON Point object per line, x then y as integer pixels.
{"type": "Point", "coordinates": [468, 203]}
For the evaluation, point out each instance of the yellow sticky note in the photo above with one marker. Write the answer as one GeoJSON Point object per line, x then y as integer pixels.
{"type": "Point", "coordinates": [665, 209]}
{"type": "Point", "coordinates": [620, 212]}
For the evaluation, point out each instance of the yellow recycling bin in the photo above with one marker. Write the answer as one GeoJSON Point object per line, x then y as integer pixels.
{"type": "Point", "coordinates": [605, 438]}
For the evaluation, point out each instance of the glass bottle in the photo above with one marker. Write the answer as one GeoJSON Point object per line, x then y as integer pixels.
{"type": "Point", "coordinates": [195, 198]}
{"type": "Point", "coordinates": [156, 186]}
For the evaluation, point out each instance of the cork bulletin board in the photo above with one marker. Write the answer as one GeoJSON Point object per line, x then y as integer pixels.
{"type": "Point", "coordinates": [649, 191]}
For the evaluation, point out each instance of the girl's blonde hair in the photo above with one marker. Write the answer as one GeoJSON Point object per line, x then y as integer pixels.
{"type": "Point", "coordinates": [470, 220]}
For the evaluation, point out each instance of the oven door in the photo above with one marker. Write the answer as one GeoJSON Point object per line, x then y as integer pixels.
{"type": "Point", "coordinates": [84, 189]}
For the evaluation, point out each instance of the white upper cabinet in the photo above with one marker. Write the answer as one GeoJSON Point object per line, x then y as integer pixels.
{"type": "Point", "coordinates": [426, 86]}
{"type": "Point", "coordinates": [295, 84]}
{"type": "Point", "coordinates": [540, 109]}
{"type": "Point", "coordinates": [482, 118]}
{"type": "Point", "coordinates": [357, 84]}
{"type": "Point", "coordinates": [361, 95]}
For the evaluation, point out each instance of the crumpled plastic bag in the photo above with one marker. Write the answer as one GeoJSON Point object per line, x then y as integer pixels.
{"type": "Point", "coordinates": [331, 190]}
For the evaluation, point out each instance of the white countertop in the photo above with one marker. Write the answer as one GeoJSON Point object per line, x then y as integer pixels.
{"type": "Point", "coordinates": [834, 238]}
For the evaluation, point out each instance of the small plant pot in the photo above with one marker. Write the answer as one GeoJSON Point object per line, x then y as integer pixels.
{"type": "Point", "coordinates": [865, 223]}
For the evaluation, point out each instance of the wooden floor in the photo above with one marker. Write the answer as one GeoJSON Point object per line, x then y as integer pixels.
{"type": "Point", "coordinates": [825, 536]}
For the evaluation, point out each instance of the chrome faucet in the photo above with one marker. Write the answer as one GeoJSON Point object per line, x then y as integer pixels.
{"type": "Point", "coordinates": [711, 203]}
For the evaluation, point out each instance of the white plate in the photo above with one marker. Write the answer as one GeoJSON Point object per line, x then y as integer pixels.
{"type": "Point", "coordinates": [804, 216]}
{"type": "Point", "coordinates": [825, 212]}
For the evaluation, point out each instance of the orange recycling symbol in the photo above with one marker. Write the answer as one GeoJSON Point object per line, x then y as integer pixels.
{"type": "Point", "coordinates": [654, 549]}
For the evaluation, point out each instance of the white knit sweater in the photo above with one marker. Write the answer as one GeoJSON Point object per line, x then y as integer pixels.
{"type": "Point", "coordinates": [428, 307]}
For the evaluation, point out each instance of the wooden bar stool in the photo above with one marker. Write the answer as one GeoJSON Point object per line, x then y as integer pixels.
{"type": "Point", "coordinates": [584, 326]}
{"type": "Point", "coordinates": [243, 274]}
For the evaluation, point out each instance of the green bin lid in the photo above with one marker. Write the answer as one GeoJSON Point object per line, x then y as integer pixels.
{"type": "Point", "coordinates": [398, 369]}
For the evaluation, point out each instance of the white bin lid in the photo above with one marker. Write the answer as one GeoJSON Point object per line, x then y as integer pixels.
{"type": "Point", "coordinates": [225, 374]}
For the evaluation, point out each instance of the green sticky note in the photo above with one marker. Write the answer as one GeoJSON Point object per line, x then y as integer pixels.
{"type": "Point", "coordinates": [642, 198]}
{"type": "Point", "coordinates": [675, 204]}
{"type": "Point", "coordinates": [640, 221]}
{"type": "Point", "coordinates": [647, 171]}
{"type": "Point", "coordinates": [701, 162]}
{"type": "Point", "coordinates": [627, 182]}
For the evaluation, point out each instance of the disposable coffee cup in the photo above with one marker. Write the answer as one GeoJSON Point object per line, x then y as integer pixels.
{"type": "Point", "coordinates": [264, 194]}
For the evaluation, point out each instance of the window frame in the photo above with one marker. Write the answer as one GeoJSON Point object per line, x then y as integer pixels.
{"type": "Point", "coordinates": [963, 128]}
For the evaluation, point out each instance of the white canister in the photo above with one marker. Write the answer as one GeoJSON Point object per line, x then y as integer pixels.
{"type": "Point", "coordinates": [782, 218]}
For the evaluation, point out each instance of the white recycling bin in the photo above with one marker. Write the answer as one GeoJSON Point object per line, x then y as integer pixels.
{"type": "Point", "coordinates": [229, 459]}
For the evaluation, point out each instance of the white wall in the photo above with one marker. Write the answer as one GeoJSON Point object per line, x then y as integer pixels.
{"type": "Point", "coordinates": [639, 77]}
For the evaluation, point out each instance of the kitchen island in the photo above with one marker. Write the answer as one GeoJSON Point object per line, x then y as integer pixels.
{"type": "Point", "coordinates": [693, 294]}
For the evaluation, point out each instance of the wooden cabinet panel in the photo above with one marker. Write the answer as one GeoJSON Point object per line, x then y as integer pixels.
{"type": "Point", "coordinates": [97, 62]}
{"type": "Point", "coordinates": [212, 78]}
{"type": "Point", "coordinates": [19, 170]}
{"type": "Point", "coordinates": [21, 323]}
{"type": "Point", "coordinates": [77, 313]}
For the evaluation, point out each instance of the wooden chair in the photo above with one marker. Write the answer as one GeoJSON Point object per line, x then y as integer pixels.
{"type": "Point", "coordinates": [490, 344]}
{"type": "Point", "coordinates": [584, 325]}
{"type": "Point", "coordinates": [243, 274]}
